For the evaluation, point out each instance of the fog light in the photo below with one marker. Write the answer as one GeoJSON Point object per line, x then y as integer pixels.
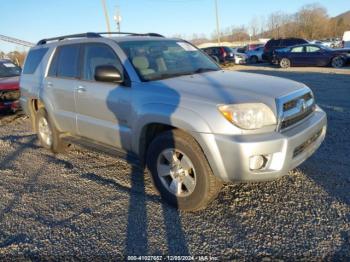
{"type": "Point", "coordinates": [257, 162]}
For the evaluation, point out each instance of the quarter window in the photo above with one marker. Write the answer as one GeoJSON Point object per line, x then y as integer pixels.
{"type": "Point", "coordinates": [33, 60]}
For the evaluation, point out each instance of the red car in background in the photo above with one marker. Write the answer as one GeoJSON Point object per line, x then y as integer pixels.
{"type": "Point", "coordinates": [9, 86]}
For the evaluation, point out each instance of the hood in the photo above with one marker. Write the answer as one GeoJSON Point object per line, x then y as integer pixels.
{"type": "Point", "coordinates": [228, 87]}
{"type": "Point", "coordinates": [9, 83]}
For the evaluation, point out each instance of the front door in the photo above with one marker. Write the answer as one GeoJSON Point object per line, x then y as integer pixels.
{"type": "Point", "coordinates": [103, 109]}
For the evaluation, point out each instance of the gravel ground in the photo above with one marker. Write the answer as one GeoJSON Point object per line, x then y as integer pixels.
{"type": "Point", "coordinates": [86, 205]}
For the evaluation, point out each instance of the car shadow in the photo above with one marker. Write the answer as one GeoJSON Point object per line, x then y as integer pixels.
{"type": "Point", "coordinates": [137, 240]}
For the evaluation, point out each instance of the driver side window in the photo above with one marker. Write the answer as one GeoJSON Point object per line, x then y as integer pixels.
{"type": "Point", "coordinates": [97, 55]}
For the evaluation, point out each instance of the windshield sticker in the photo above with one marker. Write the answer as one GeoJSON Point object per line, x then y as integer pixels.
{"type": "Point", "coordinates": [186, 46]}
{"type": "Point", "coordinates": [9, 65]}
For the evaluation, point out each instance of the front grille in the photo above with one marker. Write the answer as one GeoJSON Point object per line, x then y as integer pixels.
{"type": "Point", "coordinates": [301, 148]}
{"type": "Point", "coordinates": [291, 104]}
{"type": "Point", "coordinates": [11, 95]}
{"type": "Point", "coordinates": [294, 120]}
{"type": "Point", "coordinates": [294, 107]}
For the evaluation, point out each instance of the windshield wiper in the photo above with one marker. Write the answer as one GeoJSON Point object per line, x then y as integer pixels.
{"type": "Point", "coordinates": [203, 70]}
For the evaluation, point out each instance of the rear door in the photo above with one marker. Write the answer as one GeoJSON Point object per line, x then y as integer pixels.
{"type": "Point", "coordinates": [103, 109]}
{"type": "Point", "coordinates": [60, 83]}
{"type": "Point", "coordinates": [297, 55]}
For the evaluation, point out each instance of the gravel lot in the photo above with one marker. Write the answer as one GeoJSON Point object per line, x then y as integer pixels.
{"type": "Point", "coordinates": [85, 205]}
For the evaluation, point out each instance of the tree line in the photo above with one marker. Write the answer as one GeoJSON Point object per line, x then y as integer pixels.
{"type": "Point", "coordinates": [310, 22]}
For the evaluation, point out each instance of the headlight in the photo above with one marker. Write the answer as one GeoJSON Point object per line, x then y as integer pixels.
{"type": "Point", "coordinates": [248, 115]}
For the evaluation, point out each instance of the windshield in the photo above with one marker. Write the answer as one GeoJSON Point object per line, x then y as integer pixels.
{"type": "Point", "coordinates": [160, 59]}
{"type": "Point", "coordinates": [8, 69]}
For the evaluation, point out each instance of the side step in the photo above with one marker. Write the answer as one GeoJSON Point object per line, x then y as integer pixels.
{"type": "Point", "coordinates": [89, 144]}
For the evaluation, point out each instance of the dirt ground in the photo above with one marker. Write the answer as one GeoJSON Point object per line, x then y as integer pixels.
{"type": "Point", "coordinates": [85, 205]}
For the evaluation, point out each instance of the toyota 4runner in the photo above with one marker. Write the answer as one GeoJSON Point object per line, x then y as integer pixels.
{"type": "Point", "coordinates": [168, 104]}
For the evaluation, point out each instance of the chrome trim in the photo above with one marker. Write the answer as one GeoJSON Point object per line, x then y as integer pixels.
{"type": "Point", "coordinates": [294, 112]}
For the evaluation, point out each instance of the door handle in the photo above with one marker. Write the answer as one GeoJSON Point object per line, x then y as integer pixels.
{"type": "Point", "coordinates": [49, 84]}
{"type": "Point", "coordinates": [80, 89]}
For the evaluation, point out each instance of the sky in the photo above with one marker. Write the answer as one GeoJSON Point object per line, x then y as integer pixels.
{"type": "Point", "coordinates": [32, 20]}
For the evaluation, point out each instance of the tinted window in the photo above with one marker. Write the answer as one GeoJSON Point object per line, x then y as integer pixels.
{"type": "Point", "coordinates": [297, 49]}
{"type": "Point", "coordinates": [33, 60]}
{"type": "Point", "coordinates": [272, 43]}
{"type": "Point", "coordinates": [97, 55]}
{"type": "Point", "coordinates": [8, 69]}
{"type": "Point", "coordinates": [312, 48]}
{"type": "Point", "coordinates": [68, 61]}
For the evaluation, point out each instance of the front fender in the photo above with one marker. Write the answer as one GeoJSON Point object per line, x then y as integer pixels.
{"type": "Point", "coordinates": [178, 117]}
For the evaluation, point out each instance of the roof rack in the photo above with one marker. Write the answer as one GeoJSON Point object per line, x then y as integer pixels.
{"type": "Point", "coordinates": [93, 35]}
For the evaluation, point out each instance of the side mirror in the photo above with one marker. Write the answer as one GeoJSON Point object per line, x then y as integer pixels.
{"type": "Point", "coordinates": [108, 73]}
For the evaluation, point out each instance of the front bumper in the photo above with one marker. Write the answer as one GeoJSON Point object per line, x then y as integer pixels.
{"type": "Point", "coordinates": [229, 156]}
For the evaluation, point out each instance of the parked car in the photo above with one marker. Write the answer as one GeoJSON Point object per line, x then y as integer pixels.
{"type": "Point", "coordinates": [164, 102]}
{"type": "Point", "coordinates": [240, 57]}
{"type": "Point", "coordinates": [332, 43]}
{"type": "Point", "coordinates": [274, 44]}
{"type": "Point", "coordinates": [220, 54]}
{"type": "Point", "coordinates": [255, 55]}
{"type": "Point", "coordinates": [346, 40]}
{"type": "Point", "coordinates": [9, 86]}
{"type": "Point", "coordinates": [311, 55]}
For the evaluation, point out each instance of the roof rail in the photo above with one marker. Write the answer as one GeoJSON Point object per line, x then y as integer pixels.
{"type": "Point", "coordinates": [93, 35]}
{"type": "Point", "coordinates": [132, 34]}
{"type": "Point", "coordinates": [59, 38]}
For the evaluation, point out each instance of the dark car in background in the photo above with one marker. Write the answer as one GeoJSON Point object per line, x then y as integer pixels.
{"type": "Point", "coordinates": [220, 54]}
{"type": "Point", "coordinates": [274, 44]}
{"type": "Point", "coordinates": [311, 55]}
{"type": "Point", "coordinates": [9, 86]}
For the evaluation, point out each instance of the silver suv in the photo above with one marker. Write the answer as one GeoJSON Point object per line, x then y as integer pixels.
{"type": "Point", "coordinates": [166, 103]}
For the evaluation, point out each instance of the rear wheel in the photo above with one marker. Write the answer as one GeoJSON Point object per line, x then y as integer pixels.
{"type": "Point", "coordinates": [254, 59]}
{"type": "Point", "coordinates": [337, 62]}
{"type": "Point", "coordinates": [47, 133]}
{"type": "Point", "coordinates": [180, 171]}
{"type": "Point", "coordinates": [285, 63]}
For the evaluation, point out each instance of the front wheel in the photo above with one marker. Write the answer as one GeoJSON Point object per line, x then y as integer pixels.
{"type": "Point", "coordinates": [338, 62]}
{"type": "Point", "coordinates": [180, 171]}
{"type": "Point", "coordinates": [285, 63]}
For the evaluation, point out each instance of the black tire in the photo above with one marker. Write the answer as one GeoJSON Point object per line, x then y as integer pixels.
{"type": "Point", "coordinates": [337, 62]}
{"type": "Point", "coordinates": [56, 145]}
{"type": "Point", "coordinates": [284, 63]}
{"type": "Point", "coordinates": [207, 186]}
{"type": "Point", "coordinates": [254, 59]}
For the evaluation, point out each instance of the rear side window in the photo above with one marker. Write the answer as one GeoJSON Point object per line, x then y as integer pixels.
{"type": "Point", "coordinates": [68, 61]}
{"type": "Point", "coordinates": [65, 62]}
{"type": "Point", "coordinates": [272, 43]}
{"type": "Point", "coordinates": [298, 49]}
{"type": "Point", "coordinates": [33, 60]}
